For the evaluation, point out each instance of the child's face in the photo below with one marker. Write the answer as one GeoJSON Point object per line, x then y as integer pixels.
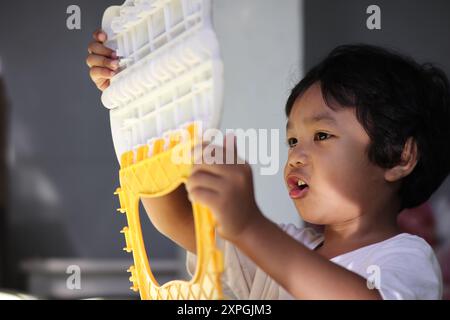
{"type": "Point", "coordinates": [330, 156]}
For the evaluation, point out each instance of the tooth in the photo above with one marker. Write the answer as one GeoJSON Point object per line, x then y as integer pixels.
{"type": "Point", "coordinates": [300, 183]}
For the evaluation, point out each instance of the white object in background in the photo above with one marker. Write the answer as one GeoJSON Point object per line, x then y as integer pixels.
{"type": "Point", "coordinates": [171, 70]}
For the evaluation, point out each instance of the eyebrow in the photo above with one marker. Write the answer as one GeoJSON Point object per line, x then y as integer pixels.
{"type": "Point", "coordinates": [316, 118]}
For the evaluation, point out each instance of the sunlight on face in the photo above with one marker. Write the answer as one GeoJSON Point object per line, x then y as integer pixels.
{"type": "Point", "coordinates": [328, 150]}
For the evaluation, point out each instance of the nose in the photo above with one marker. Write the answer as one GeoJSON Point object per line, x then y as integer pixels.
{"type": "Point", "coordinates": [297, 158]}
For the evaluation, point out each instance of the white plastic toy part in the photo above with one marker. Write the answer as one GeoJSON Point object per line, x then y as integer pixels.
{"type": "Point", "coordinates": [171, 72]}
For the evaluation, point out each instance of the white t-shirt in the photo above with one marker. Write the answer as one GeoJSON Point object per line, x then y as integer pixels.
{"type": "Point", "coordinates": [402, 267]}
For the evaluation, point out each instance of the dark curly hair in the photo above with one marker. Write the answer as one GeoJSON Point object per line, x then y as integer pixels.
{"type": "Point", "coordinates": [395, 98]}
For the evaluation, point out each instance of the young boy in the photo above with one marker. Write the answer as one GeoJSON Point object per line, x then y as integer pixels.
{"type": "Point", "coordinates": [368, 136]}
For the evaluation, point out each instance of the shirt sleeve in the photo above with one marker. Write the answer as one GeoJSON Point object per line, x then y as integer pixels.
{"type": "Point", "coordinates": [239, 271]}
{"type": "Point", "coordinates": [242, 279]}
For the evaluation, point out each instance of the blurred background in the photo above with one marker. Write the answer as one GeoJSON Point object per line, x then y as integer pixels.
{"type": "Point", "coordinates": [58, 169]}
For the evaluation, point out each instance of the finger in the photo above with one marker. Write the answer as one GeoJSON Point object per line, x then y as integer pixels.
{"type": "Point", "coordinates": [230, 148]}
{"type": "Point", "coordinates": [205, 196]}
{"type": "Point", "coordinates": [219, 170]}
{"type": "Point", "coordinates": [197, 152]}
{"type": "Point", "coordinates": [100, 49]}
{"type": "Point", "coordinates": [98, 74]}
{"type": "Point", "coordinates": [94, 60]}
{"type": "Point", "coordinates": [100, 36]}
{"type": "Point", "coordinates": [209, 158]}
{"type": "Point", "coordinates": [102, 86]}
{"type": "Point", "coordinates": [200, 152]}
{"type": "Point", "coordinates": [204, 179]}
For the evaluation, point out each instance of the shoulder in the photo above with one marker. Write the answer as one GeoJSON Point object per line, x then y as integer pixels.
{"type": "Point", "coordinates": [405, 244]}
{"type": "Point", "coordinates": [404, 251]}
{"type": "Point", "coordinates": [408, 267]}
{"type": "Point", "coordinates": [410, 253]}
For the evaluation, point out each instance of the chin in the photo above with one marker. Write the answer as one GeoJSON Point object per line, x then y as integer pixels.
{"type": "Point", "coordinates": [318, 222]}
{"type": "Point", "coordinates": [313, 216]}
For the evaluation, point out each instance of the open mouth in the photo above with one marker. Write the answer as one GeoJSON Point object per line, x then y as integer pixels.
{"type": "Point", "coordinates": [297, 187]}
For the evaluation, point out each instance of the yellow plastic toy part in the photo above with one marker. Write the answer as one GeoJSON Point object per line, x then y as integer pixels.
{"type": "Point", "coordinates": [156, 176]}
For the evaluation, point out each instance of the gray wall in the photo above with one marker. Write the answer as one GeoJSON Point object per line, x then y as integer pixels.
{"type": "Point", "coordinates": [261, 48]}
{"type": "Point", "coordinates": [419, 28]}
{"type": "Point", "coordinates": [63, 169]}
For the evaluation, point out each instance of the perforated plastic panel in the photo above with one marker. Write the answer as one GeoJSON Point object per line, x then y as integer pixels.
{"type": "Point", "coordinates": [171, 72]}
{"type": "Point", "coordinates": [171, 79]}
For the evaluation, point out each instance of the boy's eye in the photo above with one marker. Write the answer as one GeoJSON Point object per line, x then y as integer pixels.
{"type": "Point", "coordinates": [320, 136]}
{"type": "Point", "coordinates": [291, 142]}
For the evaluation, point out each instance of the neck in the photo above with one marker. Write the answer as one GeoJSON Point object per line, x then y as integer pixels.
{"type": "Point", "coordinates": [365, 229]}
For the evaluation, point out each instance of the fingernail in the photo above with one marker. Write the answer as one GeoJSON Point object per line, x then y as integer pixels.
{"type": "Point", "coordinates": [115, 64]}
{"type": "Point", "coordinates": [102, 36]}
{"type": "Point", "coordinates": [114, 55]}
{"type": "Point", "coordinates": [112, 73]}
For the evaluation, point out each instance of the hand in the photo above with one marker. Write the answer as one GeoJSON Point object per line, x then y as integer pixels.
{"type": "Point", "coordinates": [226, 189]}
{"type": "Point", "coordinates": [102, 61]}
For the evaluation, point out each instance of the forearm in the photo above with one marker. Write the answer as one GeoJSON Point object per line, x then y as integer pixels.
{"type": "Point", "coordinates": [302, 272]}
{"type": "Point", "coordinates": [172, 216]}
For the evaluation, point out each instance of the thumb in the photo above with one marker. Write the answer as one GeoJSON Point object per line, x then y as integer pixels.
{"type": "Point", "coordinates": [230, 147]}
{"type": "Point", "coordinates": [100, 36]}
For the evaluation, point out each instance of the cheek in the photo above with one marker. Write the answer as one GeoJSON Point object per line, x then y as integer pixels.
{"type": "Point", "coordinates": [343, 173]}
{"type": "Point", "coordinates": [286, 167]}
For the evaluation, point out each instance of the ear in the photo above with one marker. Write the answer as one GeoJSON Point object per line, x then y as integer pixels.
{"type": "Point", "coordinates": [407, 163]}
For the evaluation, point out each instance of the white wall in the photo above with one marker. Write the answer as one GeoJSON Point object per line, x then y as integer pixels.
{"type": "Point", "coordinates": [261, 43]}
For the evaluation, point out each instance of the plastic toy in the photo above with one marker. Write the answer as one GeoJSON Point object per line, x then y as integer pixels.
{"type": "Point", "coordinates": [169, 88]}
